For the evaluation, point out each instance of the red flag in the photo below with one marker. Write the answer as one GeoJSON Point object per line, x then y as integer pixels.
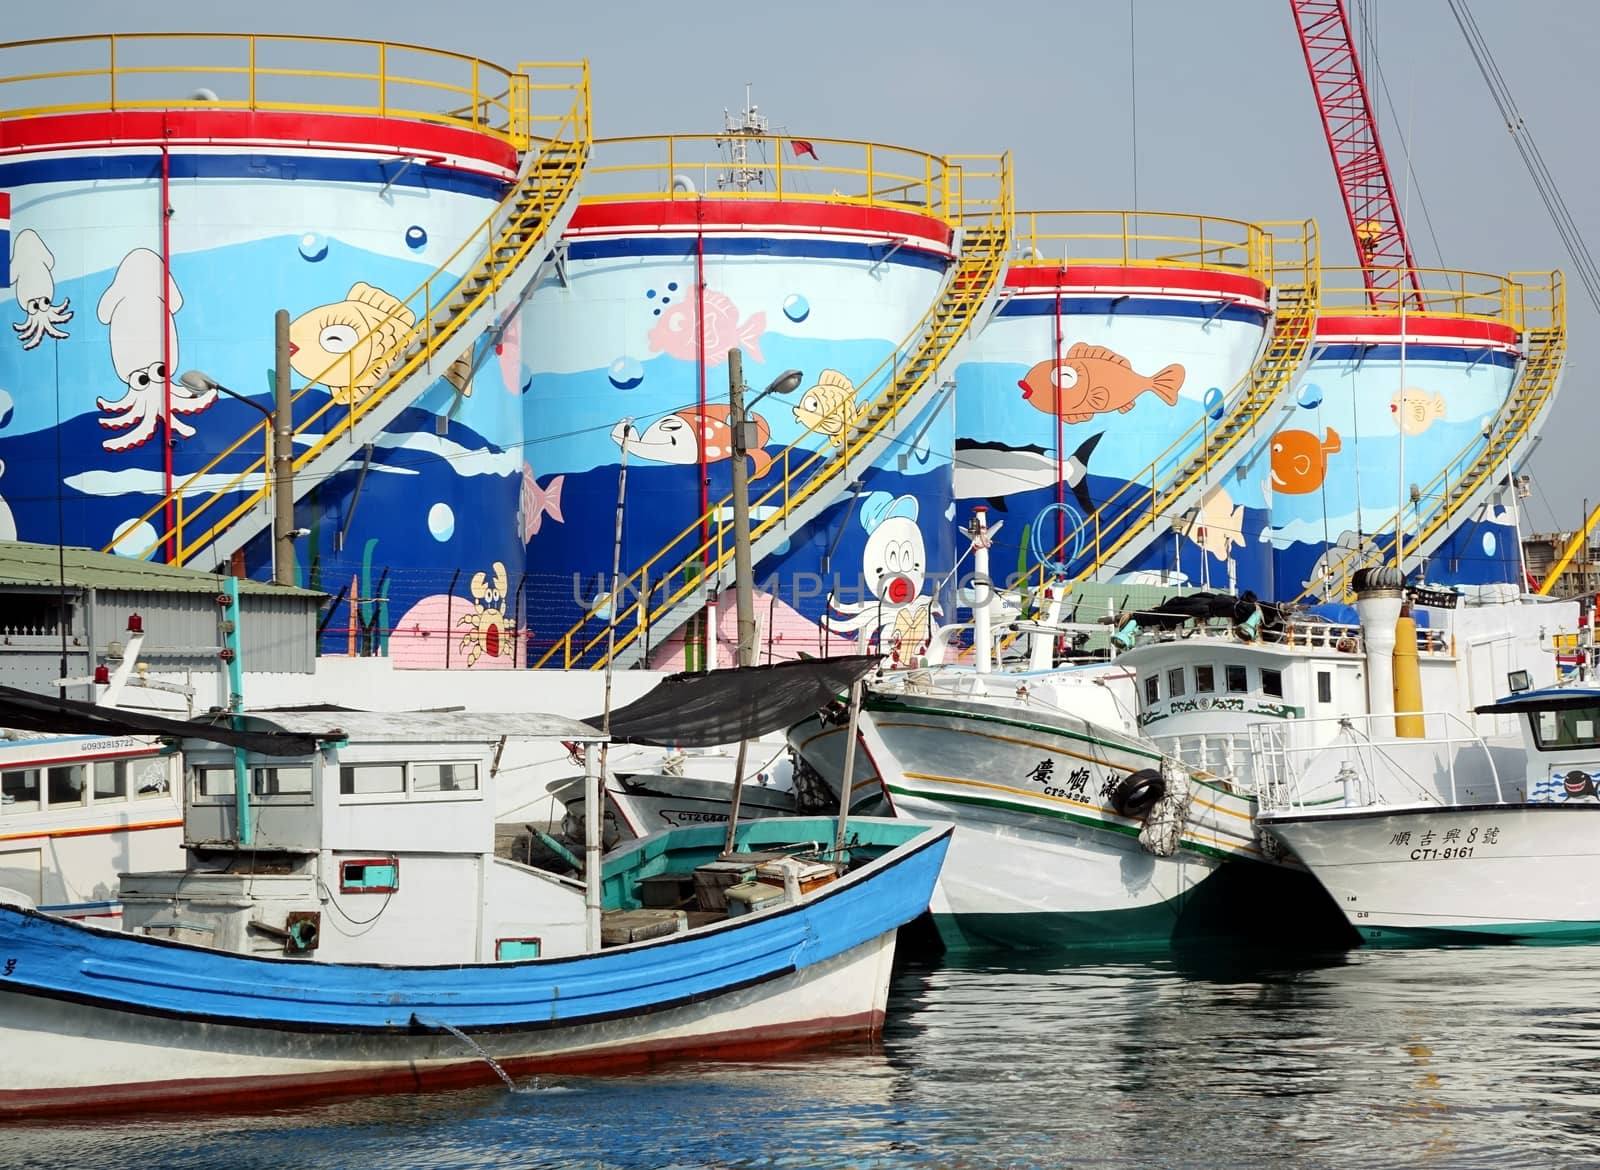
{"type": "Point", "coordinates": [801, 146]}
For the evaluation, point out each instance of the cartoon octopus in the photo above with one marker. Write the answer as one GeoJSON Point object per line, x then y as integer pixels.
{"type": "Point", "coordinates": [486, 633]}
{"type": "Point", "coordinates": [31, 265]}
{"type": "Point", "coordinates": [893, 563]}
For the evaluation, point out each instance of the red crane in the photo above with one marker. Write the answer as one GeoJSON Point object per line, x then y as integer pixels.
{"type": "Point", "coordinates": [1352, 131]}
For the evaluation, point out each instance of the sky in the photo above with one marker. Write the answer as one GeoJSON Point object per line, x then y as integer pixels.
{"type": "Point", "coordinates": [1160, 105]}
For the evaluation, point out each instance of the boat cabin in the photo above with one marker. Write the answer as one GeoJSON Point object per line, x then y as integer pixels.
{"type": "Point", "coordinates": [377, 842]}
{"type": "Point", "coordinates": [1561, 731]}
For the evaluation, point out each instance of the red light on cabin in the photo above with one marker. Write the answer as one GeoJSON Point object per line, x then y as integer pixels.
{"type": "Point", "coordinates": [135, 624]}
{"type": "Point", "coordinates": [102, 675]}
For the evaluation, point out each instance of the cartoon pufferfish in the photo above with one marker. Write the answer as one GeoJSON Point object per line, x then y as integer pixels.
{"type": "Point", "coordinates": [347, 345]}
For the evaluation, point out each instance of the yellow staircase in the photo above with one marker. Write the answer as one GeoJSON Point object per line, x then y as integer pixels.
{"type": "Point", "coordinates": [672, 586]}
{"type": "Point", "coordinates": [1465, 484]}
{"type": "Point", "coordinates": [436, 325]}
{"type": "Point", "coordinates": [1143, 508]}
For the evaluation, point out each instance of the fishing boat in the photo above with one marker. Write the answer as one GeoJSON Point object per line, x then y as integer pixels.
{"type": "Point", "coordinates": [343, 925]}
{"type": "Point", "coordinates": [1478, 849]}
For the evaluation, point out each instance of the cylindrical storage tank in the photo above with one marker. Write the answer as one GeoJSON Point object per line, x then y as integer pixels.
{"type": "Point", "coordinates": [814, 255]}
{"type": "Point", "coordinates": [189, 189]}
{"type": "Point", "coordinates": [1120, 338]}
{"type": "Point", "coordinates": [1396, 402]}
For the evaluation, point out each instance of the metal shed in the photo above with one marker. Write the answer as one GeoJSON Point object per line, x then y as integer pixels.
{"type": "Point", "coordinates": [61, 608]}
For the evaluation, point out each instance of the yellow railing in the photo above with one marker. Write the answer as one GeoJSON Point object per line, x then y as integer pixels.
{"type": "Point", "coordinates": [1478, 296]}
{"type": "Point", "coordinates": [1535, 305]}
{"type": "Point", "coordinates": [1294, 269]}
{"type": "Point", "coordinates": [403, 340]}
{"type": "Point", "coordinates": [689, 166]}
{"type": "Point", "coordinates": [248, 71]}
{"type": "Point", "coordinates": [982, 200]}
{"type": "Point", "coordinates": [1143, 239]}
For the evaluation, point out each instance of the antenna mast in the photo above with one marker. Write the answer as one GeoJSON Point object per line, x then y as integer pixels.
{"type": "Point", "coordinates": [738, 130]}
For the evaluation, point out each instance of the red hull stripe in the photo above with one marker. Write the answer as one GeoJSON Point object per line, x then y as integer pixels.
{"type": "Point", "coordinates": [1437, 330]}
{"type": "Point", "coordinates": [95, 831]}
{"type": "Point", "coordinates": [1184, 282]}
{"type": "Point", "coordinates": [220, 1094]}
{"type": "Point", "coordinates": [448, 146]}
{"type": "Point", "coordinates": [756, 215]}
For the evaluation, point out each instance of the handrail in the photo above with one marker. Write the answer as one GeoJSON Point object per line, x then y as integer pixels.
{"type": "Point", "coordinates": [1438, 292]}
{"type": "Point", "coordinates": [806, 471]}
{"type": "Point", "coordinates": [1141, 492]}
{"type": "Point", "coordinates": [404, 339]}
{"type": "Point", "coordinates": [855, 172]}
{"type": "Point", "coordinates": [1142, 239]}
{"type": "Point", "coordinates": [1539, 314]}
{"type": "Point", "coordinates": [391, 78]}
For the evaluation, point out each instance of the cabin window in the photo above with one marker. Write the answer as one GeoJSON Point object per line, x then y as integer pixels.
{"type": "Point", "coordinates": [435, 777]}
{"type": "Point", "coordinates": [1175, 681]}
{"type": "Point", "coordinates": [1238, 681]}
{"type": "Point", "coordinates": [152, 778]}
{"type": "Point", "coordinates": [1152, 689]}
{"type": "Point", "coordinates": [1324, 686]}
{"type": "Point", "coordinates": [509, 950]}
{"type": "Point", "coordinates": [64, 785]}
{"type": "Point", "coordinates": [276, 781]}
{"type": "Point", "coordinates": [369, 875]}
{"type": "Point", "coordinates": [1573, 727]}
{"type": "Point", "coordinates": [110, 780]}
{"type": "Point", "coordinates": [1205, 680]}
{"type": "Point", "coordinates": [370, 779]}
{"type": "Point", "coordinates": [1272, 682]}
{"type": "Point", "coordinates": [19, 790]}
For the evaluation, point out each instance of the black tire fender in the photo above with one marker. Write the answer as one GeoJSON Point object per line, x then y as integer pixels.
{"type": "Point", "coordinates": [1135, 795]}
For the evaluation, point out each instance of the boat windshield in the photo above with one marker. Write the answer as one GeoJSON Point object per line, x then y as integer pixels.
{"type": "Point", "coordinates": [1570, 727]}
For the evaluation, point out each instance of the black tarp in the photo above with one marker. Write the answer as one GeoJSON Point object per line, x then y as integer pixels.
{"type": "Point", "coordinates": [706, 709]}
{"type": "Point", "coordinates": [29, 711]}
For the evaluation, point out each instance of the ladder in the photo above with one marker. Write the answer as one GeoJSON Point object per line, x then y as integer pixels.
{"type": "Point", "coordinates": [432, 328]}
{"type": "Point", "coordinates": [673, 585]}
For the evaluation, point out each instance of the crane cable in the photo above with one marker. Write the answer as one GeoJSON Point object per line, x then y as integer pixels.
{"type": "Point", "coordinates": [1588, 274]}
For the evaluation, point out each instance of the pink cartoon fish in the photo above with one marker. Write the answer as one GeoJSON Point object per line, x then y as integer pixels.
{"type": "Point", "coordinates": [679, 436]}
{"type": "Point", "coordinates": [674, 333]}
{"type": "Point", "coordinates": [539, 502]}
{"type": "Point", "coordinates": [508, 351]}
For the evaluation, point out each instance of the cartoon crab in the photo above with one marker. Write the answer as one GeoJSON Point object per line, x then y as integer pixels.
{"type": "Point", "coordinates": [486, 632]}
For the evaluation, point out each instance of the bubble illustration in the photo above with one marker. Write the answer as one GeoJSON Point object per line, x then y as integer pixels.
{"type": "Point", "coordinates": [1310, 396]}
{"type": "Point", "coordinates": [416, 238]}
{"type": "Point", "coordinates": [796, 307]}
{"type": "Point", "coordinates": [1489, 544]}
{"type": "Point", "coordinates": [441, 522]}
{"type": "Point", "coordinates": [1213, 403]}
{"type": "Point", "coordinates": [6, 407]}
{"type": "Point", "coordinates": [313, 246]}
{"type": "Point", "coordinates": [625, 373]}
{"type": "Point", "coordinates": [133, 537]}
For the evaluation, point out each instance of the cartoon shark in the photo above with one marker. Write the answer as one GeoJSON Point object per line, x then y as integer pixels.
{"type": "Point", "coordinates": [992, 471]}
{"type": "Point", "coordinates": [1335, 564]}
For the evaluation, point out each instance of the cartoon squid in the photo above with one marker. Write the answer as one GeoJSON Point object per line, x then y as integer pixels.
{"type": "Point", "coordinates": [31, 266]}
{"type": "Point", "coordinates": [487, 631]}
{"type": "Point", "coordinates": [138, 315]}
{"type": "Point", "coordinates": [892, 565]}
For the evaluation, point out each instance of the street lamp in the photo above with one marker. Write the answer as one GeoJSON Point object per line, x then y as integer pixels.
{"type": "Point", "coordinates": [280, 421]}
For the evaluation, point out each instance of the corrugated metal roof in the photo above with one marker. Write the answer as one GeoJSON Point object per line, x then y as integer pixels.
{"type": "Point", "coordinates": [22, 563]}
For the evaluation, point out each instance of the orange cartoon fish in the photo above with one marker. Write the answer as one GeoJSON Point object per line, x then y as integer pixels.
{"type": "Point", "coordinates": [1092, 380]}
{"type": "Point", "coordinates": [679, 436]}
{"type": "Point", "coordinates": [1300, 460]}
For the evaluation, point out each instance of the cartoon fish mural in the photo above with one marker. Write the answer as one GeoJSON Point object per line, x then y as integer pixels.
{"type": "Point", "coordinates": [539, 502]}
{"type": "Point", "coordinates": [1091, 380]}
{"type": "Point", "coordinates": [1300, 460]}
{"type": "Point", "coordinates": [1414, 411]}
{"type": "Point", "coordinates": [830, 407]}
{"type": "Point", "coordinates": [679, 437]}
{"type": "Point", "coordinates": [1217, 526]}
{"type": "Point", "coordinates": [674, 336]}
{"type": "Point", "coordinates": [459, 374]}
{"type": "Point", "coordinates": [363, 329]}
{"type": "Point", "coordinates": [992, 471]}
{"type": "Point", "coordinates": [1578, 784]}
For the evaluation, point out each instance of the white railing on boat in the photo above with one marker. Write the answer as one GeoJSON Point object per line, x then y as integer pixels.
{"type": "Point", "coordinates": [1340, 636]}
{"type": "Point", "coordinates": [1296, 765]}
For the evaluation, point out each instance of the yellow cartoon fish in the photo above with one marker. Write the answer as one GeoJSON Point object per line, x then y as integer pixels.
{"type": "Point", "coordinates": [830, 407]}
{"type": "Point", "coordinates": [348, 346]}
{"type": "Point", "coordinates": [1217, 526]}
{"type": "Point", "coordinates": [1414, 411]}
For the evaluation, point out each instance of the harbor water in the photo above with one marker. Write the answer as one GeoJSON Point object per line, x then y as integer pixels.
{"type": "Point", "coordinates": [1369, 1058]}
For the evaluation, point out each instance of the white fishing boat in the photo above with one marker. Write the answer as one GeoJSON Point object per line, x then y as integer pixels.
{"type": "Point", "coordinates": [1418, 843]}
{"type": "Point", "coordinates": [343, 925]}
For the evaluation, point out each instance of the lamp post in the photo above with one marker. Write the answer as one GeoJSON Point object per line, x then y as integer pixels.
{"type": "Point", "coordinates": [743, 439]}
{"type": "Point", "coordinates": [281, 422]}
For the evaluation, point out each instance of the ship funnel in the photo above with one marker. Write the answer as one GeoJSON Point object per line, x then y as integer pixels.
{"type": "Point", "coordinates": [1378, 604]}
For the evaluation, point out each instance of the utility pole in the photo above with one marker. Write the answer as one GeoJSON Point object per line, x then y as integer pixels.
{"type": "Point", "coordinates": [744, 589]}
{"type": "Point", "coordinates": [282, 455]}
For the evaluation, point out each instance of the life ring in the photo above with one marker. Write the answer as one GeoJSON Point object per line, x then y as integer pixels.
{"type": "Point", "coordinates": [1135, 795]}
